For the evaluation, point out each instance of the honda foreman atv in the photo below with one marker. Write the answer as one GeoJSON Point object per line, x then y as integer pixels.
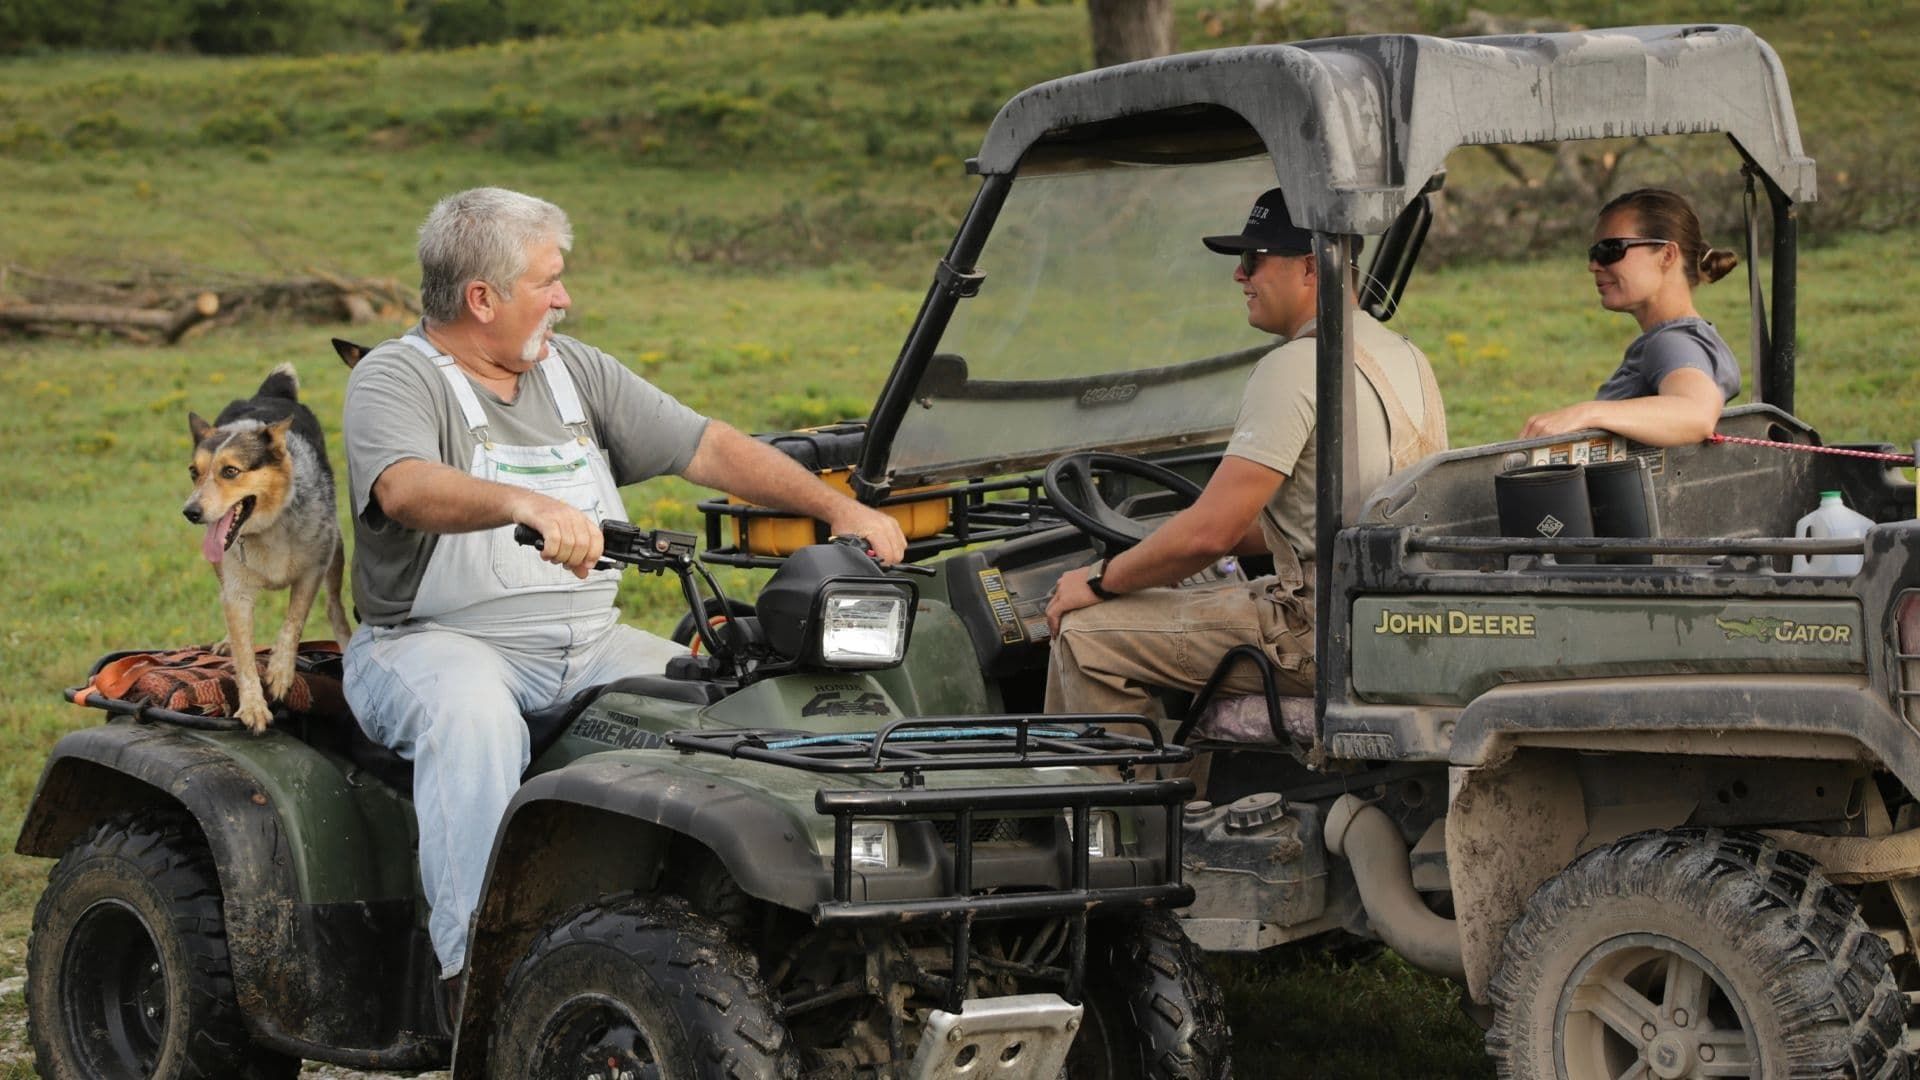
{"type": "Point", "coordinates": [808, 849]}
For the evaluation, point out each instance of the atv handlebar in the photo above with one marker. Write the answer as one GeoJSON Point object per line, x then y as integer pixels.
{"type": "Point", "coordinates": [651, 550]}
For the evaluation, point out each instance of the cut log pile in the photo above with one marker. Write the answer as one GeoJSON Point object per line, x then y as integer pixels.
{"type": "Point", "coordinates": [166, 305]}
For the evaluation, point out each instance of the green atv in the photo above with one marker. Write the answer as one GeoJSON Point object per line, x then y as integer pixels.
{"type": "Point", "coordinates": [755, 864]}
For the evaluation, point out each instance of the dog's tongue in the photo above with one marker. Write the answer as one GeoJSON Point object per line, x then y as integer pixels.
{"type": "Point", "coordinates": [214, 544]}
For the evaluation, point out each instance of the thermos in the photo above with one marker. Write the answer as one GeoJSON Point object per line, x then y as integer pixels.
{"type": "Point", "coordinates": [1621, 494]}
{"type": "Point", "coordinates": [1548, 501]}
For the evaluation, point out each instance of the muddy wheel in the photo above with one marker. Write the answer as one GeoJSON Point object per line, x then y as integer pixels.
{"type": "Point", "coordinates": [1694, 953]}
{"type": "Point", "coordinates": [641, 988]}
{"type": "Point", "coordinates": [1153, 1012]}
{"type": "Point", "coordinates": [127, 969]}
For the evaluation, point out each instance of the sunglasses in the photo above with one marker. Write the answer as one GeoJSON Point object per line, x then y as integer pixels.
{"type": "Point", "coordinates": [1614, 248]}
{"type": "Point", "coordinates": [1250, 259]}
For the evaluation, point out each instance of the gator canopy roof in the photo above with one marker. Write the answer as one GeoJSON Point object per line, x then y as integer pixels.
{"type": "Point", "coordinates": [1355, 126]}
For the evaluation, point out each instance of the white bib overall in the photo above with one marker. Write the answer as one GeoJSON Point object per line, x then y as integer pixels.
{"type": "Point", "coordinates": [469, 572]}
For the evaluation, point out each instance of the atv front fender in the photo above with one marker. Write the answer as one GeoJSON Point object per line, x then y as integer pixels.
{"type": "Point", "coordinates": [602, 825]}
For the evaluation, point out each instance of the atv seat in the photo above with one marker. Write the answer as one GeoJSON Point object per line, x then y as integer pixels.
{"type": "Point", "coordinates": [1269, 718]}
{"type": "Point", "coordinates": [544, 726]}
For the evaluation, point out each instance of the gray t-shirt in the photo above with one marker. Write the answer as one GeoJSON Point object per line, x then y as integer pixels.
{"type": "Point", "coordinates": [1687, 342]}
{"type": "Point", "coordinates": [400, 407]}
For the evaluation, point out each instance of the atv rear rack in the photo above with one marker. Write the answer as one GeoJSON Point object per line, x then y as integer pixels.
{"type": "Point", "coordinates": [916, 744]}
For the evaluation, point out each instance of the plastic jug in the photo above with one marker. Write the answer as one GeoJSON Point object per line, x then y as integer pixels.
{"type": "Point", "coordinates": [1832, 518]}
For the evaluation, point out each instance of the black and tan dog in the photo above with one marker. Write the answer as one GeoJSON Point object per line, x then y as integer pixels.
{"type": "Point", "coordinates": [264, 491]}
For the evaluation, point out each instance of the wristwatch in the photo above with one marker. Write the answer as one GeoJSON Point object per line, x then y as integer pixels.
{"type": "Point", "coordinates": [1094, 574]}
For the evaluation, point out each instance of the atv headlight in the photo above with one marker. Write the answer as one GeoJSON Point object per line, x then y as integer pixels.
{"type": "Point", "coordinates": [863, 625]}
{"type": "Point", "coordinates": [872, 844]}
{"type": "Point", "coordinates": [1102, 833]}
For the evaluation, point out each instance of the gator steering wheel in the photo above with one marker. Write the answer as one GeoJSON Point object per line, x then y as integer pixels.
{"type": "Point", "coordinates": [1070, 488]}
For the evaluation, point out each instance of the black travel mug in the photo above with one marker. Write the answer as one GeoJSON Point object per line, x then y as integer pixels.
{"type": "Point", "coordinates": [1548, 501]}
{"type": "Point", "coordinates": [1621, 494]}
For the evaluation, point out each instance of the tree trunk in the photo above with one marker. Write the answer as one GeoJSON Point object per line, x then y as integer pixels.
{"type": "Point", "coordinates": [1126, 30]}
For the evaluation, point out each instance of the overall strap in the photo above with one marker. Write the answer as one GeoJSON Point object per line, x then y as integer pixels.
{"type": "Point", "coordinates": [565, 398]}
{"type": "Point", "coordinates": [462, 389]}
{"type": "Point", "coordinates": [1407, 442]}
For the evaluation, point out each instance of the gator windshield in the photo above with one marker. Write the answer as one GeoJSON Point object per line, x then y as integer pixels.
{"type": "Point", "coordinates": [1102, 322]}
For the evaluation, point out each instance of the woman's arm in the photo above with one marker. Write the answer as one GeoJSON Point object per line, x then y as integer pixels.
{"type": "Point", "coordinates": [1684, 411]}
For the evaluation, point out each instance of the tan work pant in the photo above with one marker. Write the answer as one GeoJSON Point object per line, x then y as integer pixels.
{"type": "Point", "coordinates": [1111, 657]}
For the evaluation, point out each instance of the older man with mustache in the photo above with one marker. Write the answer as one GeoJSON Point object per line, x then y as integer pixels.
{"type": "Point", "coordinates": [478, 419]}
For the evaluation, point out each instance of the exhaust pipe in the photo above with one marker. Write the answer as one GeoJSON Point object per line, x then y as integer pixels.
{"type": "Point", "coordinates": [1369, 840]}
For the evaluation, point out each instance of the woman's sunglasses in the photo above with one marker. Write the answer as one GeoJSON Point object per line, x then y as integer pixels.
{"type": "Point", "coordinates": [1614, 248]}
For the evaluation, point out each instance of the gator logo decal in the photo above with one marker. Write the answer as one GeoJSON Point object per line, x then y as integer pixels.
{"type": "Point", "coordinates": [1768, 628]}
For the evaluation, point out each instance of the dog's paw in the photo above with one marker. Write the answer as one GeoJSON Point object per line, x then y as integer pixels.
{"type": "Point", "coordinates": [279, 676]}
{"type": "Point", "coordinates": [223, 647]}
{"type": "Point", "coordinates": [255, 715]}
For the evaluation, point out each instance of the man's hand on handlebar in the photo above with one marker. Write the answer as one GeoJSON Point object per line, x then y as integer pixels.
{"type": "Point", "coordinates": [572, 539]}
{"type": "Point", "coordinates": [881, 531]}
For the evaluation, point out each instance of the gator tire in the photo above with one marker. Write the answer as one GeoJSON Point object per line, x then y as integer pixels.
{"type": "Point", "coordinates": [1153, 1012]}
{"type": "Point", "coordinates": [127, 964]}
{"type": "Point", "coordinates": [1694, 953]}
{"type": "Point", "coordinates": [644, 988]}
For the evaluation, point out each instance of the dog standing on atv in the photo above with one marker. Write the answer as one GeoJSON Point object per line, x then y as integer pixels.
{"type": "Point", "coordinates": [264, 491]}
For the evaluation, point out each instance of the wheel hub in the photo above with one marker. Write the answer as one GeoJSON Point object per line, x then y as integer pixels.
{"type": "Point", "coordinates": [1671, 1055]}
{"type": "Point", "coordinates": [116, 990]}
{"type": "Point", "coordinates": [594, 1037]}
{"type": "Point", "coordinates": [1646, 998]}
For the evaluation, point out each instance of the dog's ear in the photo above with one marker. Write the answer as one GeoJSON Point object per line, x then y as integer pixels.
{"type": "Point", "coordinates": [197, 427]}
{"type": "Point", "coordinates": [276, 432]}
{"type": "Point", "coordinates": [349, 352]}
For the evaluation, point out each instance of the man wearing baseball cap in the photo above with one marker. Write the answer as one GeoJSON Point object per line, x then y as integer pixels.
{"type": "Point", "coordinates": [1119, 631]}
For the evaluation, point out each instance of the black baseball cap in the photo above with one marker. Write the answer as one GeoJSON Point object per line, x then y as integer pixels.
{"type": "Point", "coordinates": [1268, 229]}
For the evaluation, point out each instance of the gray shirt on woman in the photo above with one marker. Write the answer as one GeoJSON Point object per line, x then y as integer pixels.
{"type": "Point", "coordinates": [1686, 342]}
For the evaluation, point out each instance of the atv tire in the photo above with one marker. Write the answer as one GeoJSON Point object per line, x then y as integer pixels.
{"type": "Point", "coordinates": [645, 988]}
{"type": "Point", "coordinates": [1153, 1012]}
{"type": "Point", "coordinates": [1694, 953]}
{"type": "Point", "coordinates": [127, 965]}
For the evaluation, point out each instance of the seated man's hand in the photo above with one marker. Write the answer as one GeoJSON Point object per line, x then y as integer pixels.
{"type": "Point", "coordinates": [573, 539]}
{"type": "Point", "coordinates": [880, 531]}
{"type": "Point", "coordinates": [1070, 593]}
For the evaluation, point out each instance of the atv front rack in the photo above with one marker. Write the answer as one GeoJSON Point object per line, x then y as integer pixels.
{"type": "Point", "coordinates": [961, 908]}
{"type": "Point", "coordinates": [913, 745]}
{"type": "Point", "coordinates": [973, 518]}
{"type": "Point", "coordinates": [916, 744]}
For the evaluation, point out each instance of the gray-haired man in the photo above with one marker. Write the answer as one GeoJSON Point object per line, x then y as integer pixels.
{"type": "Point", "coordinates": [478, 419]}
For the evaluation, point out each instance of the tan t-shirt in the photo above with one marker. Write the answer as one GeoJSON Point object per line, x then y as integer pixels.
{"type": "Point", "coordinates": [1276, 425]}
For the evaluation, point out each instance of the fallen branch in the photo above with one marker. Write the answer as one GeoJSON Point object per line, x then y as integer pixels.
{"type": "Point", "coordinates": [158, 305]}
{"type": "Point", "coordinates": [169, 323]}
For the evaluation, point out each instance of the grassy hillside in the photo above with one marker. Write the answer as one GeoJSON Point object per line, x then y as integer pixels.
{"type": "Point", "coordinates": [758, 209]}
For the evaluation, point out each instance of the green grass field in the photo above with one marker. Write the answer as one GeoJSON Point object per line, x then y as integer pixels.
{"type": "Point", "coordinates": [758, 209]}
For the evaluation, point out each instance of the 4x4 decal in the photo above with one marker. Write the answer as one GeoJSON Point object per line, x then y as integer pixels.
{"type": "Point", "coordinates": [832, 703]}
